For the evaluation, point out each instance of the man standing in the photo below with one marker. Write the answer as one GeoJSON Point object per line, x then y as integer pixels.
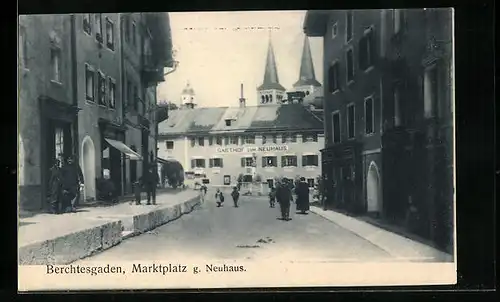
{"type": "Point", "coordinates": [302, 191]}
{"type": "Point", "coordinates": [55, 188]}
{"type": "Point", "coordinates": [284, 195]}
{"type": "Point", "coordinates": [72, 177]}
{"type": "Point", "coordinates": [151, 181]}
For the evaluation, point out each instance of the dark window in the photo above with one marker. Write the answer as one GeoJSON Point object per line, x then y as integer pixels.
{"type": "Point", "coordinates": [134, 34]}
{"type": "Point", "coordinates": [101, 88]}
{"type": "Point", "coordinates": [218, 140]}
{"type": "Point", "coordinates": [336, 127]}
{"type": "Point", "coordinates": [170, 145]}
{"type": "Point", "coordinates": [55, 61]}
{"type": "Point", "coordinates": [247, 161]}
{"type": "Point", "coordinates": [98, 27]}
{"type": "Point", "coordinates": [349, 26]}
{"type": "Point", "coordinates": [210, 141]}
{"type": "Point", "coordinates": [309, 160]}
{"type": "Point", "coordinates": [110, 34]}
{"type": "Point", "coordinates": [264, 139]}
{"type": "Point", "coordinates": [193, 142]}
{"type": "Point", "coordinates": [369, 116]}
{"type": "Point", "coordinates": [275, 139]}
{"type": "Point", "coordinates": [228, 122]}
{"type": "Point", "coordinates": [350, 65]}
{"type": "Point", "coordinates": [201, 141]}
{"type": "Point", "coordinates": [334, 30]}
{"type": "Point", "coordinates": [112, 93]}
{"type": "Point", "coordinates": [289, 161]}
{"type": "Point", "coordinates": [87, 24]}
{"type": "Point", "coordinates": [269, 161]}
{"type": "Point", "coordinates": [431, 90]}
{"type": "Point", "coordinates": [333, 77]}
{"type": "Point", "coordinates": [367, 50]}
{"type": "Point", "coordinates": [198, 163]}
{"type": "Point", "coordinates": [89, 83]}
{"type": "Point", "coordinates": [350, 121]}
{"type": "Point", "coordinates": [250, 139]}
{"type": "Point", "coordinates": [234, 140]}
{"type": "Point", "coordinates": [216, 163]}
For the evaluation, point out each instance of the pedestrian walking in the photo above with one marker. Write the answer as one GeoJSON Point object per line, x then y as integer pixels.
{"type": "Point", "coordinates": [55, 188]}
{"type": "Point", "coordinates": [71, 178]}
{"type": "Point", "coordinates": [80, 181]}
{"type": "Point", "coordinates": [138, 190]}
{"type": "Point", "coordinates": [302, 191]}
{"type": "Point", "coordinates": [219, 198]}
{"type": "Point", "coordinates": [236, 196]}
{"type": "Point", "coordinates": [283, 195]}
{"type": "Point", "coordinates": [151, 181]}
{"type": "Point", "coordinates": [272, 197]}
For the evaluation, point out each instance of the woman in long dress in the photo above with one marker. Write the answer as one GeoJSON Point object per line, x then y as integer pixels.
{"type": "Point", "coordinates": [55, 188]}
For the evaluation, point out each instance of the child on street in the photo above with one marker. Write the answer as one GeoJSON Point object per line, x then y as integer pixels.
{"type": "Point", "coordinates": [272, 197]}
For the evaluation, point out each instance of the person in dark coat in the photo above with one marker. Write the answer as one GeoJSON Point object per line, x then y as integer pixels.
{"type": "Point", "coordinates": [55, 188]}
{"type": "Point", "coordinates": [71, 177]}
{"type": "Point", "coordinates": [151, 181]}
{"type": "Point", "coordinates": [302, 191]}
{"type": "Point", "coordinates": [272, 197]}
{"type": "Point", "coordinates": [283, 195]}
{"type": "Point", "coordinates": [236, 196]}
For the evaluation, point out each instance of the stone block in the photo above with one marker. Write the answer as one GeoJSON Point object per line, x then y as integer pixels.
{"type": "Point", "coordinates": [39, 253]}
{"type": "Point", "coordinates": [111, 234]}
{"type": "Point", "coordinates": [77, 245]}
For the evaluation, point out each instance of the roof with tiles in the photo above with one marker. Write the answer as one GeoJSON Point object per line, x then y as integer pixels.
{"type": "Point", "coordinates": [247, 119]}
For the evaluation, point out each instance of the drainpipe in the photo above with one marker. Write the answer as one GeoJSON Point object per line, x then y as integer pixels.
{"type": "Point", "coordinates": [123, 98]}
{"type": "Point", "coordinates": [74, 84]}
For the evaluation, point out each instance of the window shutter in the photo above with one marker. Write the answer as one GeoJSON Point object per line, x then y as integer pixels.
{"type": "Point", "coordinates": [243, 162]}
{"type": "Point", "coordinates": [221, 163]}
{"type": "Point", "coordinates": [193, 162]}
{"type": "Point", "coordinates": [316, 160]}
{"type": "Point", "coordinates": [283, 161]}
{"type": "Point", "coordinates": [211, 162]}
{"type": "Point", "coordinates": [304, 161]}
{"type": "Point", "coordinates": [264, 161]}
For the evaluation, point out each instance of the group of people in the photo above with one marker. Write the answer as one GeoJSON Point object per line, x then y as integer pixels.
{"type": "Point", "coordinates": [219, 197]}
{"type": "Point", "coordinates": [148, 182]}
{"type": "Point", "coordinates": [66, 180]}
{"type": "Point", "coordinates": [283, 194]}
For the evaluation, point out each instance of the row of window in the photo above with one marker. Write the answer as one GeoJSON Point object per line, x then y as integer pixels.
{"type": "Point", "coordinates": [398, 19]}
{"type": "Point", "coordinates": [266, 162]}
{"type": "Point", "coordinates": [90, 27]}
{"type": "Point", "coordinates": [246, 140]}
{"type": "Point", "coordinates": [105, 90]}
{"type": "Point", "coordinates": [369, 118]}
{"type": "Point", "coordinates": [366, 58]}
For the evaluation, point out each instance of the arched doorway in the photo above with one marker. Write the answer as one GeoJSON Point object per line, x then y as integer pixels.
{"type": "Point", "coordinates": [373, 196]}
{"type": "Point", "coordinates": [88, 168]}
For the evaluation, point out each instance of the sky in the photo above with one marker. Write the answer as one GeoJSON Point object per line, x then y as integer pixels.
{"type": "Point", "coordinates": [217, 51]}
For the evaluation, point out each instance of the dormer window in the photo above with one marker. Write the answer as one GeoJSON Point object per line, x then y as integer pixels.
{"type": "Point", "coordinates": [228, 122]}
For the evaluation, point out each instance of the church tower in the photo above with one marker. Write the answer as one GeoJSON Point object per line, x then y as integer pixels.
{"type": "Point", "coordinates": [188, 97]}
{"type": "Point", "coordinates": [307, 82]}
{"type": "Point", "coordinates": [270, 92]}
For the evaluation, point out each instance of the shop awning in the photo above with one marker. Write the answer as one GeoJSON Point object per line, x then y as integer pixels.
{"type": "Point", "coordinates": [131, 154]}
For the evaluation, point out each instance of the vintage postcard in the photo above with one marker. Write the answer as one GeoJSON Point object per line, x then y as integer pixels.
{"type": "Point", "coordinates": [236, 149]}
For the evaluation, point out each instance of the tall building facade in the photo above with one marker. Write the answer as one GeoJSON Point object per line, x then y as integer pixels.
{"type": "Point", "coordinates": [73, 96]}
{"type": "Point", "coordinates": [48, 109]}
{"type": "Point", "coordinates": [388, 115]}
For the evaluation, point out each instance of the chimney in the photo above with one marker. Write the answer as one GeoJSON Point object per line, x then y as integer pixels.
{"type": "Point", "coordinates": [242, 99]}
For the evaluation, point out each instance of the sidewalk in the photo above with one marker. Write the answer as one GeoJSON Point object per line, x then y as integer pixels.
{"type": "Point", "coordinates": [62, 239]}
{"type": "Point", "coordinates": [400, 247]}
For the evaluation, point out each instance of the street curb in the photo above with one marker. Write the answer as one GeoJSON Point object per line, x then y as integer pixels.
{"type": "Point", "coordinates": [151, 220]}
{"type": "Point", "coordinates": [396, 245]}
{"type": "Point", "coordinates": [71, 247]}
{"type": "Point", "coordinates": [82, 244]}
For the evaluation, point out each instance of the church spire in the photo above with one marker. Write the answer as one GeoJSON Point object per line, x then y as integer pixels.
{"type": "Point", "coordinates": [271, 80]}
{"type": "Point", "coordinates": [307, 76]}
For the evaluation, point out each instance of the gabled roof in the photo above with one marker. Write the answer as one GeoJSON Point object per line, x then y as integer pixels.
{"type": "Point", "coordinates": [212, 120]}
